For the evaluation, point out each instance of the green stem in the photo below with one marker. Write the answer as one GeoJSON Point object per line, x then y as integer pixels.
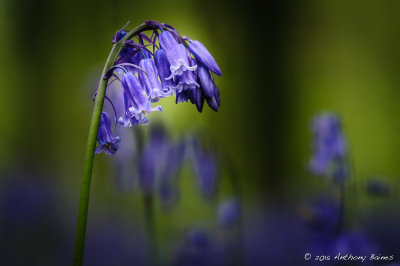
{"type": "Point", "coordinates": [233, 174]}
{"type": "Point", "coordinates": [148, 201]}
{"type": "Point", "coordinates": [91, 145]}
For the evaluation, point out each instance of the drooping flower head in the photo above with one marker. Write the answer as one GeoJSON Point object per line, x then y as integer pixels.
{"type": "Point", "coordinates": [329, 147]}
{"type": "Point", "coordinates": [154, 65]}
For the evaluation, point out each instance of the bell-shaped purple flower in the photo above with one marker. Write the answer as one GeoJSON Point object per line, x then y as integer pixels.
{"type": "Point", "coordinates": [198, 99]}
{"type": "Point", "coordinates": [150, 82]}
{"type": "Point", "coordinates": [206, 81]}
{"type": "Point", "coordinates": [215, 101]}
{"type": "Point", "coordinates": [107, 142]}
{"type": "Point", "coordinates": [208, 87]}
{"type": "Point", "coordinates": [177, 54]}
{"type": "Point", "coordinates": [194, 95]}
{"type": "Point", "coordinates": [202, 55]}
{"type": "Point", "coordinates": [163, 68]}
{"type": "Point", "coordinates": [329, 145]}
{"type": "Point", "coordinates": [137, 103]}
{"type": "Point", "coordinates": [187, 81]}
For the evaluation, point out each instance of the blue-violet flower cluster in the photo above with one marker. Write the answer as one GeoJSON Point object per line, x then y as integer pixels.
{"type": "Point", "coordinates": [154, 66]}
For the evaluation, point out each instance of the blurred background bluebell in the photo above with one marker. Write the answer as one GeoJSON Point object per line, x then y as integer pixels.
{"type": "Point", "coordinates": [282, 64]}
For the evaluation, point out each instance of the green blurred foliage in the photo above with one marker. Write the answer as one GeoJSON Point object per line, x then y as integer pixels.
{"type": "Point", "coordinates": [281, 65]}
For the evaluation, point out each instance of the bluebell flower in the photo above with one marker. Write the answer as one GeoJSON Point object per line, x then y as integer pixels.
{"type": "Point", "coordinates": [177, 54]}
{"type": "Point", "coordinates": [194, 95]}
{"type": "Point", "coordinates": [228, 212]}
{"type": "Point", "coordinates": [197, 88]}
{"type": "Point", "coordinates": [207, 83]}
{"type": "Point", "coordinates": [148, 71]}
{"type": "Point", "coordinates": [209, 88]}
{"type": "Point", "coordinates": [163, 67]}
{"type": "Point", "coordinates": [149, 81]}
{"type": "Point", "coordinates": [107, 142]}
{"type": "Point", "coordinates": [137, 103]}
{"type": "Point", "coordinates": [203, 56]}
{"type": "Point", "coordinates": [214, 102]}
{"type": "Point", "coordinates": [186, 81]}
{"type": "Point", "coordinates": [132, 53]}
{"type": "Point", "coordinates": [329, 146]}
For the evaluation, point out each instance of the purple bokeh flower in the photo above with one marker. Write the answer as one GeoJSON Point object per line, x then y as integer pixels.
{"type": "Point", "coordinates": [160, 162]}
{"type": "Point", "coordinates": [168, 189]}
{"type": "Point", "coordinates": [228, 212]}
{"type": "Point", "coordinates": [205, 166]}
{"type": "Point", "coordinates": [329, 147]}
{"type": "Point", "coordinates": [153, 159]}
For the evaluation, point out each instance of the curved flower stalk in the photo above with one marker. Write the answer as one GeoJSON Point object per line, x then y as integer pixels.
{"type": "Point", "coordinates": [148, 67]}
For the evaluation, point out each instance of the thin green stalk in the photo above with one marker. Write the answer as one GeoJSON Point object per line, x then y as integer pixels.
{"type": "Point", "coordinates": [91, 145]}
{"type": "Point", "coordinates": [148, 201]}
{"type": "Point", "coordinates": [233, 174]}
